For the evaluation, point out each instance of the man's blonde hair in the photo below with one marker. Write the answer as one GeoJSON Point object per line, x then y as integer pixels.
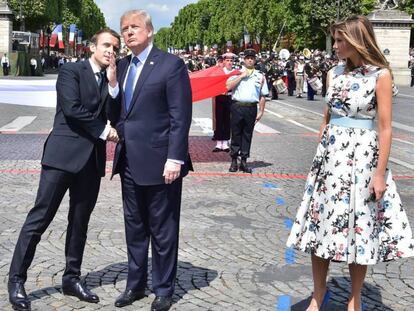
{"type": "Point", "coordinates": [145, 17]}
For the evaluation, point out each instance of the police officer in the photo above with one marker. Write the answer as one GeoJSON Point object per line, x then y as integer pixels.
{"type": "Point", "coordinates": [249, 89]}
{"type": "Point", "coordinates": [5, 63]}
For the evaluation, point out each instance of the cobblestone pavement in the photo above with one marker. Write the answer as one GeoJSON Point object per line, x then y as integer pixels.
{"type": "Point", "coordinates": [232, 239]}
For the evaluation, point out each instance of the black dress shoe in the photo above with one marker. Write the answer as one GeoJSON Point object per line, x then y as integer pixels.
{"type": "Point", "coordinates": [128, 297]}
{"type": "Point", "coordinates": [77, 289]}
{"type": "Point", "coordinates": [226, 150]}
{"type": "Point", "coordinates": [244, 167]}
{"type": "Point", "coordinates": [233, 166]}
{"type": "Point", "coordinates": [216, 149]}
{"type": "Point", "coordinates": [18, 297]}
{"type": "Point", "coordinates": [161, 303]}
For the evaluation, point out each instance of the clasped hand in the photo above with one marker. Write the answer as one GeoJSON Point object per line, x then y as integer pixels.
{"type": "Point", "coordinates": [113, 135]}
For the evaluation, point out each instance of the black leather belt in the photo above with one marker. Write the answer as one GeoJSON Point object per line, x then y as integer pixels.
{"type": "Point", "coordinates": [245, 103]}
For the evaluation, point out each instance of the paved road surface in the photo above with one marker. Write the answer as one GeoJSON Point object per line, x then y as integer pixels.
{"type": "Point", "coordinates": [233, 229]}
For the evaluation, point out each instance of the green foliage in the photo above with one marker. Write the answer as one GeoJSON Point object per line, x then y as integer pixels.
{"type": "Point", "coordinates": [162, 38]}
{"type": "Point", "coordinates": [39, 14]}
{"type": "Point", "coordinates": [307, 22]}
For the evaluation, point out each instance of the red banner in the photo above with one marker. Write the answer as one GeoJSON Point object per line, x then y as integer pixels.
{"type": "Point", "coordinates": [209, 82]}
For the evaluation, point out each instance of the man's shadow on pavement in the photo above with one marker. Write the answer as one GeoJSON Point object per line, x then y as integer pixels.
{"type": "Point", "coordinates": [188, 278]}
{"type": "Point", "coordinates": [339, 288]}
{"type": "Point", "coordinates": [258, 164]}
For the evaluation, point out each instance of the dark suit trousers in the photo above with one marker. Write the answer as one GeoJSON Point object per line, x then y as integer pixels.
{"type": "Point", "coordinates": [151, 213]}
{"type": "Point", "coordinates": [223, 104]}
{"type": "Point", "coordinates": [242, 126]}
{"type": "Point", "coordinates": [291, 84]}
{"type": "Point", "coordinates": [83, 192]}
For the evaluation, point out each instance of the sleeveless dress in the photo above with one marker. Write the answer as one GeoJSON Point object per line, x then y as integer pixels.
{"type": "Point", "coordinates": [336, 220]}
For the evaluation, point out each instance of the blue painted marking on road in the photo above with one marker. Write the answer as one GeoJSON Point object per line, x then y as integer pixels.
{"type": "Point", "coordinates": [269, 185]}
{"type": "Point", "coordinates": [280, 201]}
{"type": "Point", "coordinates": [283, 303]}
{"type": "Point", "coordinates": [290, 256]}
{"type": "Point", "coordinates": [289, 223]}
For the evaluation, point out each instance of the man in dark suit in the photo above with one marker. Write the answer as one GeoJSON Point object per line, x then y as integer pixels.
{"type": "Point", "coordinates": [153, 122]}
{"type": "Point", "coordinates": [74, 158]}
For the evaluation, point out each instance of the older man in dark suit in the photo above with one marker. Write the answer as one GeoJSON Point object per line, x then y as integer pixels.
{"type": "Point", "coordinates": [154, 116]}
{"type": "Point", "coordinates": [73, 159]}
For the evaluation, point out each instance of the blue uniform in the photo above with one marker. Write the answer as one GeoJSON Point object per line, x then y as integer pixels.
{"type": "Point", "coordinates": [246, 96]}
{"type": "Point", "coordinates": [251, 88]}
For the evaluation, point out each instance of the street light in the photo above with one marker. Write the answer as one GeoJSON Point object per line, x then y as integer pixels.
{"type": "Point", "coordinates": [246, 36]}
{"type": "Point", "coordinates": [338, 7]}
{"type": "Point", "coordinates": [20, 17]}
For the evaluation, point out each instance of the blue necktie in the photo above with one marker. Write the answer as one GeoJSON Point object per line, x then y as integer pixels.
{"type": "Point", "coordinates": [129, 84]}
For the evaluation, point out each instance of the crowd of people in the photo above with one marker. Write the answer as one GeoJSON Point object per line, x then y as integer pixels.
{"type": "Point", "coordinates": [294, 75]}
{"type": "Point", "coordinates": [351, 211]}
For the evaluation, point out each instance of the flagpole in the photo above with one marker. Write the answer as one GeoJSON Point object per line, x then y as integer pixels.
{"type": "Point", "coordinates": [278, 37]}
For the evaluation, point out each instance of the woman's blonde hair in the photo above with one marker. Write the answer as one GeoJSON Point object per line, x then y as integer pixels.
{"type": "Point", "coordinates": [358, 32]}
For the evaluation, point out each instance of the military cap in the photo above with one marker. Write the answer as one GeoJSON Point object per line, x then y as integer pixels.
{"type": "Point", "coordinates": [249, 52]}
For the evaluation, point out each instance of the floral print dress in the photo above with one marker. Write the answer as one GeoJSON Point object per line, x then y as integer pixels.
{"type": "Point", "coordinates": [336, 220]}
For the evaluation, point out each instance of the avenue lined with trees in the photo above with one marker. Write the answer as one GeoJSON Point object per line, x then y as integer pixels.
{"type": "Point", "coordinates": [42, 14]}
{"type": "Point", "coordinates": [302, 23]}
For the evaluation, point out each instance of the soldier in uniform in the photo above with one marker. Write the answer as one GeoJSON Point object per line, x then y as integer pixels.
{"type": "Point", "coordinates": [222, 104]}
{"type": "Point", "coordinates": [324, 68]}
{"type": "Point", "coordinates": [299, 76]}
{"type": "Point", "coordinates": [249, 89]}
{"type": "Point", "coordinates": [5, 63]}
{"type": "Point", "coordinates": [290, 70]}
{"type": "Point", "coordinates": [275, 74]}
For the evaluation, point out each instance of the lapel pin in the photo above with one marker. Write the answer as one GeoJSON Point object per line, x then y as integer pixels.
{"type": "Point", "coordinates": [151, 63]}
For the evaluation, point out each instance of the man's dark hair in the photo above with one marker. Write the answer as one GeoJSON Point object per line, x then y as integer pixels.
{"type": "Point", "coordinates": [94, 38]}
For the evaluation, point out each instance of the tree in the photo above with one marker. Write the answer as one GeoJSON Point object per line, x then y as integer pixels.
{"type": "Point", "coordinates": [306, 22]}
{"type": "Point", "coordinates": [162, 38]}
{"type": "Point", "coordinates": [40, 14]}
{"type": "Point", "coordinates": [315, 17]}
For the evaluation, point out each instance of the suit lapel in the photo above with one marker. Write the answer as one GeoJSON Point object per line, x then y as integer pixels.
{"type": "Point", "coordinates": [90, 76]}
{"type": "Point", "coordinates": [103, 93]}
{"type": "Point", "coordinates": [123, 71]}
{"type": "Point", "coordinates": [145, 72]}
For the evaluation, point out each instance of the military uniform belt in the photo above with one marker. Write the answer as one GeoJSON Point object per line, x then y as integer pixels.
{"type": "Point", "coordinates": [245, 103]}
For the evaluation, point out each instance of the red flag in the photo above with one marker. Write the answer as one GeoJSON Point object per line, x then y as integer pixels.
{"type": "Point", "coordinates": [209, 82]}
{"type": "Point", "coordinates": [41, 39]}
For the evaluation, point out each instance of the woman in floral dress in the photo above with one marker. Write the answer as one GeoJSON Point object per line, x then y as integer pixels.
{"type": "Point", "coordinates": [351, 211]}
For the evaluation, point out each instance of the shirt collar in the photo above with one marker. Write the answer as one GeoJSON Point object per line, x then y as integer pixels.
{"type": "Point", "coordinates": [95, 68]}
{"type": "Point", "coordinates": [143, 55]}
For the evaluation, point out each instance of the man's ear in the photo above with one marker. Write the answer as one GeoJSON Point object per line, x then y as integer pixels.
{"type": "Point", "coordinates": [92, 47]}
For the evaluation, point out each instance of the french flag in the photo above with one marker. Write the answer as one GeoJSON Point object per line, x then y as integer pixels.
{"type": "Point", "coordinates": [41, 39]}
{"type": "Point", "coordinates": [79, 40]}
{"type": "Point", "coordinates": [72, 29]}
{"type": "Point", "coordinates": [56, 35]}
{"type": "Point", "coordinates": [60, 37]}
{"type": "Point", "coordinates": [53, 37]}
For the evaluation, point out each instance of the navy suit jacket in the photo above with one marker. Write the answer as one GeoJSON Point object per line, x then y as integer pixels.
{"type": "Point", "coordinates": [157, 124]}
{"type": "Point", "coordinates": [79, 120]}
